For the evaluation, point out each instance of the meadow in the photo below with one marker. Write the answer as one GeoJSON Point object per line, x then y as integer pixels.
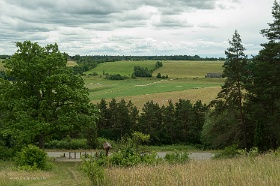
{"type": "Point", "coordinates": [186, 80]}
{"type": "Point", "coordinates": [255, 171]}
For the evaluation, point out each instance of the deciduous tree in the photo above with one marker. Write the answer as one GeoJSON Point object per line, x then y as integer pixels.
{"type": "Point", "coordinates": [46, 98]}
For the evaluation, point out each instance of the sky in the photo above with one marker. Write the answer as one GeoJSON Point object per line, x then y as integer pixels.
{"type": "Point", "coordinates": [135, 27]}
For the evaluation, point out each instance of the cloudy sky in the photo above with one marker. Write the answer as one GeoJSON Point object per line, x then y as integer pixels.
{"type": "Point", "coordinates": [135, 27]}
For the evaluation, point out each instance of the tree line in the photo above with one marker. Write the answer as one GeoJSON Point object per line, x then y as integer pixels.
{"type": "Point", "coordinates": [171, 124]}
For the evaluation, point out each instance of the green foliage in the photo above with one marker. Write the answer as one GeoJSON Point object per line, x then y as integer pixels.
{"type": "Point", "coordinates": [93, 170]}
{"type": "Point", "coordinates": [177, 157]}
{"type": "Point", "coordinates": [264, 97]}
{"type": "Point", "coordinates": [116, 77]}
{"type": "Point", "coordinates": [142, 72]}
{"type": "Point", "coordinates": [139, 137]}
{"type": "Point", "coordinates": [6, 153]}
{"type": "Point", "coordinates": [252, 152]}
{"type": "Point", "coordinates": [228, 152]}
{"type": "Point", "coordinates": [126, 156]}
{"type": "Point", "coordinates": [32, 158]}
{"type": "Point", "coordinates": [117, 119]}
{"type": "Point", "coordinates": [158, 64]}
{"type": "Point", "coordinates": [158, 75]}
{"type": "Point", "coordinates": [221, 128]}
{"type": "Point", "coordinates": [46, 98]}
{"type": "Point", "coordinates": [150, 121]}
{"type": "Point", "coordinates": [228, 105]}
{"type": "Point", "coordinates": [68, 143]}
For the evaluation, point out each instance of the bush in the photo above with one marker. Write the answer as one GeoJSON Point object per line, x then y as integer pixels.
{"type": "Point", "coordinates": [127, 156]}
{"type": "Point", "coordinates": [67, 143]}
{"type": "Point", "coordinates": [93, 170]}
{"type": "Point", "coordinates": [6, 153]}
{"type": "Point", "coordinates": [116, 77]}
{"type": "Point", "coordinates": [177, 157]}
{"type": "Point", "coordinates": [228, 152]}
{"type": "Point", "coordinates": [32, 158]}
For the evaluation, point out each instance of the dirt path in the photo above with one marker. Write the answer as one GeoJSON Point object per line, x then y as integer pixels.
{"type": "Point", "coordinates": [73, 172]}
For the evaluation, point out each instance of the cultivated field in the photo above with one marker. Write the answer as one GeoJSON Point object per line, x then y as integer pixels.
{"type": "Point", "coordinates": [186, 81]}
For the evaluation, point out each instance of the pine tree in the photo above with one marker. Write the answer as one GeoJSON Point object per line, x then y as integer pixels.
{"type": "Point", "coordinates": [264, 92]}
{"type": "Point", "coordinates": [236, 73]}
{"type": "Point", "coordinates": [231, 98]}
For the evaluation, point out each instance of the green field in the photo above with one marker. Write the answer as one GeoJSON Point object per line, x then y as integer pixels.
{"type": "Point", "coordinates": [186, 80]}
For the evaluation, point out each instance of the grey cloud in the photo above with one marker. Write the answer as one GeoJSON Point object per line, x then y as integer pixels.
{"type": "Point", "coordinates": [76, 25]}
{"type": "Point", "coordinates": [171, 22]}
{"type": "Point", "coordinates": [119, 14]}
{"type": "Point", "coordinates": [207, 25]}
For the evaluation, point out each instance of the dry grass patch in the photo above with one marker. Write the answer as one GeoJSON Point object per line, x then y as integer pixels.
{"type": "Point", "coordinates": [71, 63]}
{"type": "Point", "coordinates": [262, 170]}
{"type": "Point", "coordinates": [206, 95]}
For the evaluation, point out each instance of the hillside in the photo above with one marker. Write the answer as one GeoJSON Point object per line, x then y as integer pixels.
{"type": "Point", "coordinates": [186, 80]}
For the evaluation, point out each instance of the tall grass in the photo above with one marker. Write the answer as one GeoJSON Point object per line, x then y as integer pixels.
{"type": "Point", "coordinates": [262, 170]}
{"type": "Point", "coordinates": [250, 171]}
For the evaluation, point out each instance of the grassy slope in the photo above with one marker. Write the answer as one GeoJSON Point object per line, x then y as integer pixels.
{"type": "Point", "coordinates": [262, 170]}
{"type": "Point", "coordinates": [186, 80]}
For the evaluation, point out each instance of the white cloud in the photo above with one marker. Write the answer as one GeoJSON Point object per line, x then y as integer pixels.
{"type": "Point", "coordinates": [132, 27]}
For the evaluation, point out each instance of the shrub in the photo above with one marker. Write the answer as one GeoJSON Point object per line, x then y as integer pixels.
{"type": "Point", "coordinates": [150, 158]}
{"type": "Point", "coordinates": [93, 170]}
{"type": "Point", "coordinates": [253, 152]}
{"type": "Point", "coordinates": [126, 156]}
{"type": "Point", "coordinates": [176, 157]}
{"type": "Point", "coordinates": [6, 153]}
{"type": "Point", "coordinates": [32, 158]}
{"type": "Point", "coordinates": [228, 152]}
{"type": "Point", "coordinates": [67, 143]}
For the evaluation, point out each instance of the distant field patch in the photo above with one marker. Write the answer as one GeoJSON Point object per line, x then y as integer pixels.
{"type": "Point", "coordinates": [186, 80]}
{"type": "Point", "coordinates": [206, 95]}
{"type": "Point", "coordinates": [174, 69]}
{"type": "Point", "coordinates": [185, 69]}
{"type": "Point", "coordinates": [71, 63]}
